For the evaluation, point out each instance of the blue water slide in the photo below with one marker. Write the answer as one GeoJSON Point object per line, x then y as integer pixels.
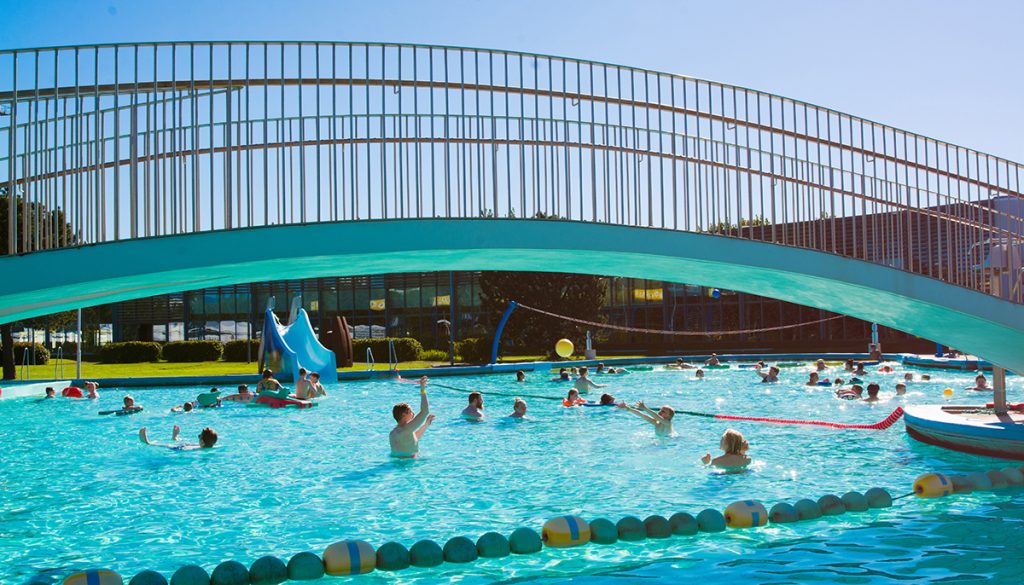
{"type": "Point", "coordinates": [290, 347]}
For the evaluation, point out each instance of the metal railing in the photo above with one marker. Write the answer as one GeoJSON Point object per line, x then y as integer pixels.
{"type": "Point", "coordinates": [111, 142]}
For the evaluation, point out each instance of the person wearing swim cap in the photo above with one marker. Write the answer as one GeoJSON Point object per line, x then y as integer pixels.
{"type": "Point", "coordinates": [405, 437]}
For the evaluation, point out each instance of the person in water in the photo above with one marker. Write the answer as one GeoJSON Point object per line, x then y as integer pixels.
{"type": "Point", "coordinates": [662, 419]}
{"type": "Point", "coordinates": [302, 385]}
{"type": "Point", "coordinates": [209, 399]}
{"type": "Point", "coordinates": [852, 393]}
{"type": "Point", "coordinates": [908, 377]}
{"type": "Point", "coordinates": [475, 409]}
{"type": "Point", "coordinates": [186, 407]}
{"type": "Point", "coordinates": [573, 398]}
{"type": "Point", "coordinates": [980, 383]}
{"type": "Point", "coordinates": [243, 395]}
{"type": "Point", "coordinates": [771, 376]}
{"type": "Point", "coordinates": [848, 367]}
{"type": "Point", "coordinates": [50, 392]}
{"type": "Point", "coordinates": [518, 409]}
{"type": "Point", "coordinates": [316, 389]}
{"type": "Point", "coordinates": [268, 383]}
{"type": "Point", "coordinates": [607, 400]}
{"type": "Point", "coordinates": [812, 380]}
{"type": "Point", "coordinates": [90, 390]}
{"type": "Point", "coordinates": [563, 376]}
{"type": "Point", "coordinates": [820, 365]}
{"type": "Point", "coordinates": [713, 360]}
{"type": "Point", "coordinates": [129, 405]}
{"type": "Point", "coordinates": [926, 377]}
{"type": "Point", "coordinates": [872, 392]}
{"type": "Point", "coordinates": [860, 371]}
{"type": "Point", "coordinates": [679, 365]}
{"type": "Point", "coordinates": [584, 383]}
{"type": "Point", "coordinates": [734, 456]}
{"type": "Point", "coordinates": [207, 439]}
{"type": "Point", "coordinates": [901, 389]}
{"type": "Point", "coordinates": [405, 437]}
{"type": "Point", "coordinates": [520, 376]}
{"type": "Point", "coordinates": [699, 374]}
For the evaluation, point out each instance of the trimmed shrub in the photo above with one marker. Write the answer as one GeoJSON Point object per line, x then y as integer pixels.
{"type": "Point", "coordinates": [475, 350]}
{"type": "Point", "coordinates": [193, 351]}
{"type": "Point", "coordinates": [39, 356]}
{"type": "Point", "coordinates": [434, 355]}
{"type": "Point", "coordinates": [235, 351]}
{"type": "Point", "coordinates": [129, 352]}
{"type": "Point", "coordinates": [70, 348]}
{"type": "Point", "coordinates": [407, 348]}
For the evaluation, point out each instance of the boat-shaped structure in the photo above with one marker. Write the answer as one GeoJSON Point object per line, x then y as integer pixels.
{"type": "Point", "coordinates": [968, 363]}
{"type": "Point", "coordinates": [970, 429]}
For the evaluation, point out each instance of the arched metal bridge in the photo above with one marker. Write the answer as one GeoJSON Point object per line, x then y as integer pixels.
{"type": "Point", "coordinates": [113, 157]}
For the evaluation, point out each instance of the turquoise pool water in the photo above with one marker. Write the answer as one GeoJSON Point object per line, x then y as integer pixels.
{"type": "Point", "coordinates": [80, 490]}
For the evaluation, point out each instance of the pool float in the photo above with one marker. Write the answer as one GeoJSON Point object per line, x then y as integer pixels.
{"type": "Point", "coordinates": [718, 367]}
{"type": "Point", "coordinates": [1014, 406]}
{"type": "Point", "coordinates": [276, 402]}
{"type": "Point", "coordinates": [567, 404]}
{"type": "Point", "coordinates": [642, 368]}
{"type": "Point", "coordinates": [590, 404]}
{"type": "Point", "coordinates": [122, 411]}
{"type": "Point", "coordinates": [72, 392]}
{"type": "Point", "coordinates": [209, 399]}
{"type": "Point", "coordinates": [94, 577]}
{"type": "Point", "coordinates": [847, 395]}
{"type": "Point", "coordinates": [885, 369]}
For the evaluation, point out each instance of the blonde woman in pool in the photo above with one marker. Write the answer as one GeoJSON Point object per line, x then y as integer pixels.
{"type": "Point", "coordinates": [734, 456]}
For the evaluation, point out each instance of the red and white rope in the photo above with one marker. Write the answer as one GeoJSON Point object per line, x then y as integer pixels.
{"type": "Point", "coordinates": [664, 332]}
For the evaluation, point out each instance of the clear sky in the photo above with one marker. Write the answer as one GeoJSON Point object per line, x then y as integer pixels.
{"type": "Point", "coordinates": [947, 69]}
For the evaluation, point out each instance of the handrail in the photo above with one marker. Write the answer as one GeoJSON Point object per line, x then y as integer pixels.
{"type": "Point", "coordinates": [27, 354]}
{"type": "Point", "coordinates": [58, 359]}
{"type": "Point", "coordinates": [392, 356]}
{"type": "Point", "coordinates": [370, 360]}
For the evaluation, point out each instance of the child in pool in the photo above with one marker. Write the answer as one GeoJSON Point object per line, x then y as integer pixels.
{"type": "Point", "coordinates": [518, 409]}
{"type": "Point", "coordinates": [607, 400]}
{"type": "Point", "coordinates": [735, 449]}
{"type": "Point", "coordinates": [584, 383]}
{"type": "Point", "coordinates": [520, 376]}
{"type": "Point", "coordinates": [475, 410]}
{"type": "Point", "coordinates": [50, 392]}
{"type": "Point", "coordinates": [186, 407]}
{"type": "Point", "coordinates": [268, 384]}
{"type": "Point", "coordinates": [820, 365]}
{"type": "Point", "coordinates": [812, 379]}
{"type": "Point", "coordinates": [207, 439]}
{"type": "Point", "coordinates": [573, 398]}
{"type": "Point", "coordinates": [90, 389]}
{"type": "Point", "coordinates": [772, 375]}
{"type": "Point", "coordinates": [662, 420]}
{"type": "Point", "coordinates": [980, 383]}
{"type": "Point", "coordinates": [901, 389]}
{"type": "Point", "coordinates": [872, 392]}
{"type": "Point", "coordinates": [699, 374]}
{"type": "Point", "coordinates": [405, 437]}
{"type": "Point", "coordinates": [243, 395]}
{"type": "Point", "coordinates": [563, 376]}
{"type": "Point", "coordinates": [316, 389]}
{"type": "Point", "coordinates": [860, 371]}
{"type": "Point", "coordinates": [129, 406]}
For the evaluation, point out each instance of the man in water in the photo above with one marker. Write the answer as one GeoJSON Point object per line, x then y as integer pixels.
{"type": "Point", "coordinates": [662, 420]}
{"type": "Point", "coordinates": [405, 437]}
{"type": "Point", "coordinates": [583, 384]}
{"type": "Point", "coordinates": [50, 392]}
{"type": "Point", "coordinates": [90, 389]}
{"type": "Point", "coordinates": [475, 410]}
{"type": "Point", "coordinates": [207, 439]}
{"type": "Point", "coordinates": [302, 385]}
{"type": "Point", "coordinates": [980, 382]}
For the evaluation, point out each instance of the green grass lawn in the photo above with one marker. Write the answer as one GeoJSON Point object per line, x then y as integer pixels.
{"type": "Point", "coordinates": [169, 369]}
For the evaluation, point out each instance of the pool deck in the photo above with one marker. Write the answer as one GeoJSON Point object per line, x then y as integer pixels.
{"type": "Point", "coordinates": [11, 389]}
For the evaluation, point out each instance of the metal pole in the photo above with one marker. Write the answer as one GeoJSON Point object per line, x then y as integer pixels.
{"type": "Point", "coordinates": [78, 347]}
{"type": "Point", "coordinates": [999, 389]}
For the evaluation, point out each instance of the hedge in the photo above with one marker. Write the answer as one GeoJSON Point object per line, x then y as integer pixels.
{"type": "Point", "coordinates": [475, 350]}
{"type": "Point", "coordinates": [39, 356]}
{"type": "Point", "coordinates": [130, 352]}
{"type": "Point", "coordinates": [193, 351]}
{"type": "Point", "coordinates": [235, 351]}
{"type": "Point", "coordinates": [407, 348]}
{"type": "Point", "coordinates": [434, 355]}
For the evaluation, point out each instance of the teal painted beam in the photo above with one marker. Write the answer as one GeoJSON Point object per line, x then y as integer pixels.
{"type": "Point", "coordinates": [971, 321]}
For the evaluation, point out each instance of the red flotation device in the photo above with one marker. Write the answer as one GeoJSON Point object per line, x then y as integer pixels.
{"type": "Point", "coordinates": [1016, 406]}
{"type": "Point", "coordinates": [567, 404]}
{"type": "Point", "coordinates": [72, 392]}
{"type": "Point", "coordinates": [274, 402]}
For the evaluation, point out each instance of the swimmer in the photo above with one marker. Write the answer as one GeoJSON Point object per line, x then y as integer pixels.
{"type": "Point", "coordinates": [209, 399]}
{"type": "Point", "coordinates": [207, 439]}
{"type": "Point", "coordinates": [872, 392]}
{"type": "Point", "coordinates": [679, 365]}
{"type": "Point", "coordinates": [563, 376]}
{"type": "Point", "coordinates": [50, 392]}
{"type": "Point", "coordinates": [838, 382]}
{"type": "Point", "coordinates": [405, 437]}
{"type": "Point", "coordinates": [860, 371]}
{"type": "Point", "coordinates": [600, 369]}
{"type": "Point", "coordinates": [129, 406]}
{"type": "Point", "coordinates": [980, 383]}
{"type": "Point", "coordinates": [518, 409]}
{"type": "Point", "coordinates": [848, 367]}
{"type": "Point", "coordinates": [908, 377]}
{"type": "Point", "coordinates": [607, 400]}
{"type": "Point", "coordinates": [771, 377]}
{"type": "Point", "coordinates": [926, 377]}
{"type": "Point", "coordinates": [520, 376]}
{"type": "Point", "coordinates": [820, 365]}
{"type": "Point", "coordinates": [662, 420]}
{"type": "Point", "coordinates": [713, 360]}
{"type": "Point", "coordinates": [699, 374]}
{"type": "Point", "coordinates": [90, 389]}
{"type": "Point", "coordinates": [852, 393]}
{"type": "Point", "coordinates": [734, 456]}
{"type": "Point", "coordinates": [186, 407]}
{"type": "Point", "coordinates": [584, 384]}
{"type": "Point", "coordinates": [243, 395]}
{"type": "Point", "coordinates": [574, 372]}
{"type": "Point", "coordinates": [302, 385]}
{"type": "Point", "coordinates": [901, 389]}
{"type": "Point", "coordinates": [812, 380]}
{"type": "Point", "coordinates": [475, 410]}
{"type": "Point", "coordinates": [267, 383]}
{"type": "Point", "coordinates": [573, 398]}
{"type": "Point", "coordinates": [316, 389]}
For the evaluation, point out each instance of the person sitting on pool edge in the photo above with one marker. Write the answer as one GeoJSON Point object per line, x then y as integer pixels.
{"type": "Point", "coordinates": [662, 420]}
{"type": "Point", "coordinates": [584, 383]}
{"type": "Point", "coordinates": [520, 376]}
{"type": "Point", "coordinates": [243, 395]}
{"type": "Point", "coordinates": [475, 409]}
{"type": "Point", "coordinates": [563, 376]}
{"type": "Point", "coordinates": [405, 437]}
{"type": "Point", "coordinates": [734, 457]}
{"type": "Point", "coordinates": [573, 399]}
{"type": "Point", "coordinates": [771, 376]}
{"type": "Point", "coordinates": [873, 389]}
{"type": "Point", "coordinates": [207, 439]}
{"type": "Point", "coordinates": [981, 383]}
{"type": "Point", "coordinates": [518, 409]}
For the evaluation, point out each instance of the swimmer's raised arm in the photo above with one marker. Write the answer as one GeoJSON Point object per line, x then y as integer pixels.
{"type": "Point", "coordinates": [421, 417]}
{"type": "Point", "coordinates": [421, 430]}
{"type": "Point", "coordinates": [651, 419]}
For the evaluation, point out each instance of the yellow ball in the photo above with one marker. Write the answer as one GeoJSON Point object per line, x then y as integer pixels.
{"type": "Point", "coordinates": [349, 557]}
{"type": "Point", "coordinates": [566, 531]}
{"type": "Point", "coordinates": [933, 485]}
{"type": "Point", "coordinates": [564, 348]}
{"type": "Point", "coordinates": [745, 514]}
{"type": "Point", "coordinates": [947, 392]}
{"type": "Point", "coordinates": [94, 577]}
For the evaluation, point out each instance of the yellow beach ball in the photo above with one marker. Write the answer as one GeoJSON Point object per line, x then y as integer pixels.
{"type": "Point", "coordinates": [564, 348]}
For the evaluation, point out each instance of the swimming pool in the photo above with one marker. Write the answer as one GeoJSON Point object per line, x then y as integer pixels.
{"type": "Point", "coordinates": [81, 491]}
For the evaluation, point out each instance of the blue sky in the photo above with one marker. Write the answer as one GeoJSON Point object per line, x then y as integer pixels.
{"type": "Point", "coordinates": [950, 70]}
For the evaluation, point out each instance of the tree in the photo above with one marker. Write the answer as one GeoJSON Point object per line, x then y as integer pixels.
{"type": "Point", "coordinates": [574, 295]}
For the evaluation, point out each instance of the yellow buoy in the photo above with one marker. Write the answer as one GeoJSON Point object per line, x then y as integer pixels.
{"type": "Point", "coordinates": [565, 531]}
{"type": "Point", "coordinates": [947, 392]}
{"type": "Point", "coordinates": [349, 557]}
{"type": "Point", "coordinates": [94, 577]}
{"type": "Point", "coordinates": [564, 348]}
{"type": "Point", "coordinates": [745, 514]}
{"type": "Point", "coordinates": [933, 485]}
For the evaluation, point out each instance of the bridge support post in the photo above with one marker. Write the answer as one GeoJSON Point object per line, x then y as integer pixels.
{"type": "Point", "coordinates": [501, 327]}
{"type": "Point", "coordinates": [999, 387]}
